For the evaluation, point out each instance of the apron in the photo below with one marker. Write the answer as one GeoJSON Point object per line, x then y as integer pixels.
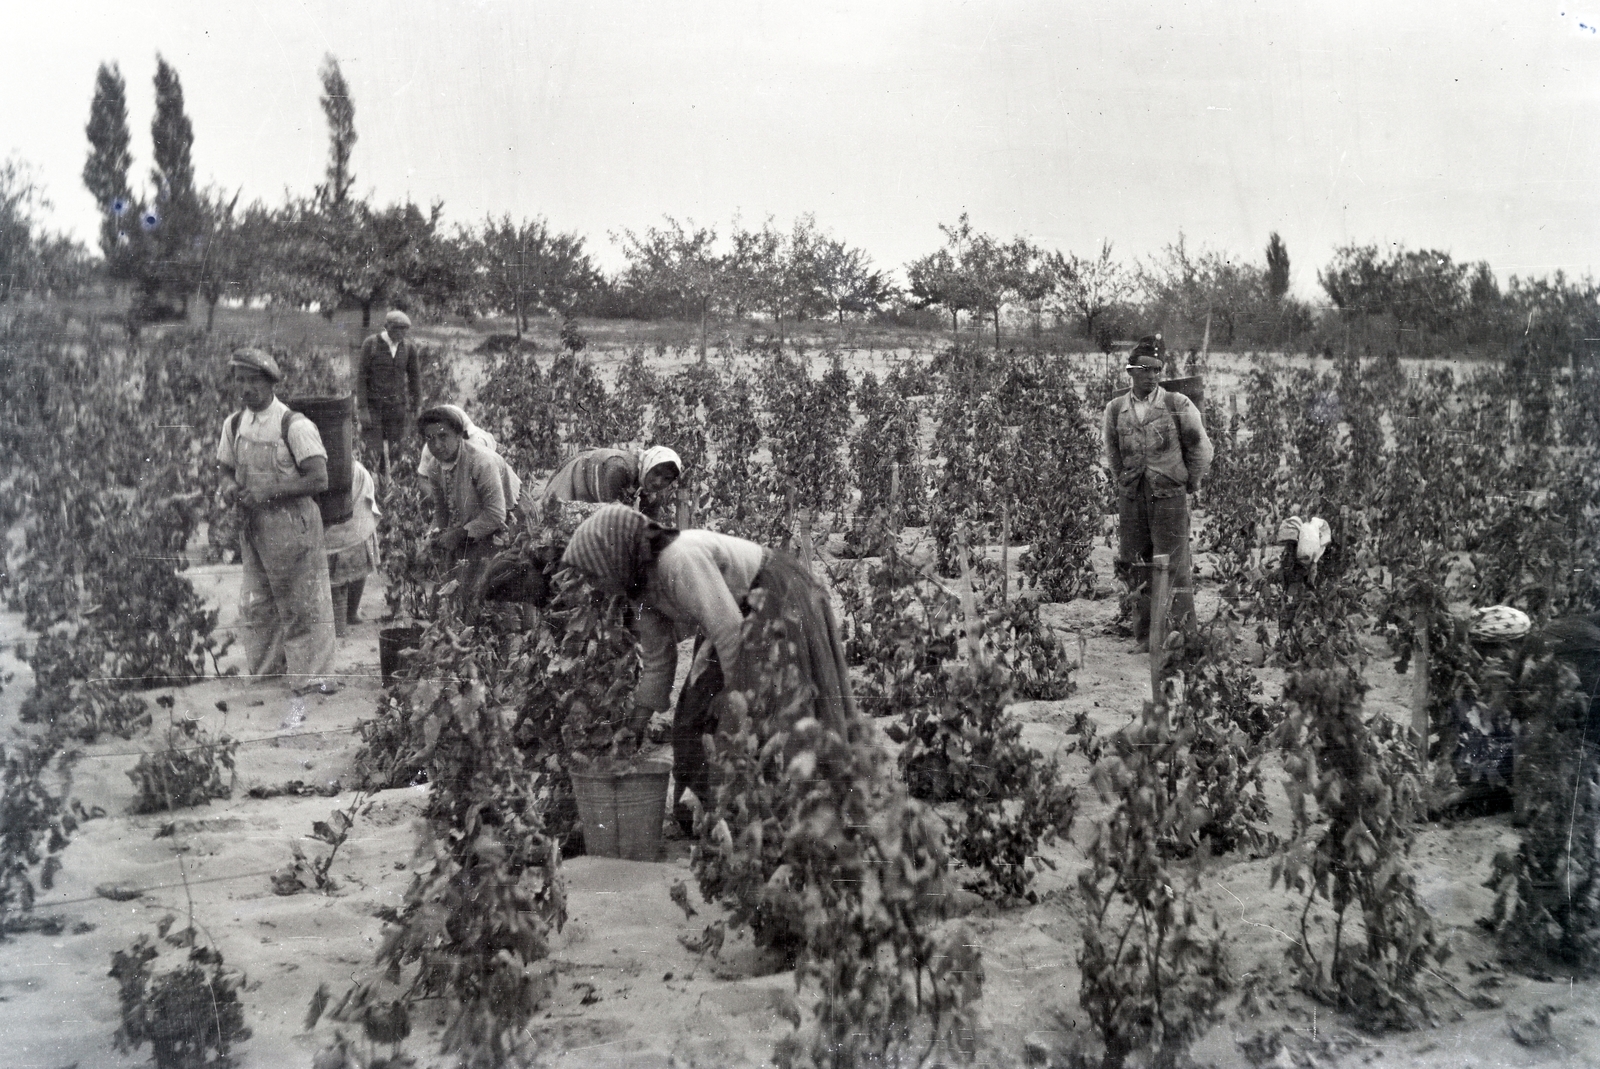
{"type": "Point", "coordinates": [286, 604]}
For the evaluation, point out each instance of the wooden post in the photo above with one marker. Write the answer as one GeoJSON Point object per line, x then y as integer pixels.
{"type": "Point", "coordinates": [969, 608]}
{"type": "Point", "coordinates": [1160, 594]}
{"type": "Point", "coordinates": [807, 550]}
{"type": "Point", "coordinates": [1419, 689]}
{"type": "Point", "coordinates": [685, 506]}
{"type": "Point", "coordinates": [1005, 553]}
{"type": "Point", "coordinates": [894, 497]}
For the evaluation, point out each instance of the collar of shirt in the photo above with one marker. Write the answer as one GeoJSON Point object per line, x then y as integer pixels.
{"type": "Point", "coordinates": [1141, 409]}
{"type": "Point", "coordinates": [273, 413]}
{"type": "Point", "coordinates": [393, 345]}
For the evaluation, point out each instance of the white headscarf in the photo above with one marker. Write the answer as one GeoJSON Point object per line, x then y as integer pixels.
{"type": "Point", "coordinates": [658, 454]}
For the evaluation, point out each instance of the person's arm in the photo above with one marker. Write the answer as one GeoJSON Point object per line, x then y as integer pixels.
{"type": "Point", "coordinates": [491, 515]}
{"type": "Point", "coordinates": [1197, 449]}
{"type": "Point", "coordinates": [413, 378]}
{"type": "Point", "coordinates": [440, 499]}
{"type": "Point", "coordinates": [617, 481]}
{"type": "Point", "coordinates": [1113, 446]}
{"type": "Point", "coordinates": [658, 654]}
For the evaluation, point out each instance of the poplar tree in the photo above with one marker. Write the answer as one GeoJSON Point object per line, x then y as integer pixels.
{"type": "Point", "coordinates": [340, 110]}
{"type": "Point", "coordinates": [105, 174]}
{"type": "Point", "coordinates": [174, 220]}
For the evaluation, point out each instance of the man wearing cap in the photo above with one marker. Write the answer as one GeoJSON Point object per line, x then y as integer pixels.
{"type": "Point", "coordinates": [277, 463]}
{"type": "Point", "coordinates": [624, 476]}
{"type": "Point", "coordinates": [1158, 452]}
{"type": "Point", "coordinates": [388, 386]}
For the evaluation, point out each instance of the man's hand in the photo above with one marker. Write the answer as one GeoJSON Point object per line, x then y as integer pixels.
{"type": "Point", "coordinates": [449, 543]}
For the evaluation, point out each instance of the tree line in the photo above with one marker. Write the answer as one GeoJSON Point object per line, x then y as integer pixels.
{"type": "Point", "coordinates": [172, 242]}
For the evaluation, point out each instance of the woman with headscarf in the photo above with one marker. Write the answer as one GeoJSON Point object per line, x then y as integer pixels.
{"type": "Point", "coordinates": [475, 434]}
{"type": "Point", "coordinates": [702, 584]}
{"type": "Point", "coordinates": [625, 476]}
{"type": "Point", "coordinates": [472, 490]}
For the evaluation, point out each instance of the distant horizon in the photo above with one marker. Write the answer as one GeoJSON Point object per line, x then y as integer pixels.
{"type": "Point", "coordinates": [1063, 123]}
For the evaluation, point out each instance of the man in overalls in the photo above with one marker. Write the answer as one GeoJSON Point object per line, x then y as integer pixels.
{"type": "Point", "coordinates": [1157, 451]}
{"type": "Point", "coordinates": [278, 465]}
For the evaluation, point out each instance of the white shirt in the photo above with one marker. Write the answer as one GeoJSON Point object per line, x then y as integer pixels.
{"type": "Point", "coordinates": [393, 345]}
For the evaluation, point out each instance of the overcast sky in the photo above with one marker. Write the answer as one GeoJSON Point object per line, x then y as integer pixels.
{"type": "Point", "coordinates": [1472, 127]}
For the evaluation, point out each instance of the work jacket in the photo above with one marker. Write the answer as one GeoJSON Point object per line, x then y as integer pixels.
{"type": "Point", "coordinates": [388, 381]}
{"type": "Point", "coordinates": [1169, 446]}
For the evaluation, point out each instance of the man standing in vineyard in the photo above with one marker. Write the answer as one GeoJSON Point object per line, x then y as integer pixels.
{"type": "Point", "coordinates": [1158, 453]}
{"type": "Point", "coordinates": [388, 387]}
{"type": "Point", "coordinates": [278, 464]}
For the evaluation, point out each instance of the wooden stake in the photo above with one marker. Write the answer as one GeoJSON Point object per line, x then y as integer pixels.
{"type": "Point", "coordinates": [807, 550]}
{"type": "Point", "coordinates": [685, 506]}
{"type": "Point", "coordinates": [894, 497]}
{"type": "Point", "coordinates": [1160, 594]}
{"type": "Point", "coordinates": [969, 608]}
{"type": "Point", "coordinates": [1005, 553]}
{"type": "Point", "coordinates": [1419, 688]}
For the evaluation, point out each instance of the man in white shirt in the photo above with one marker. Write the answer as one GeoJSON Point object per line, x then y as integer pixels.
{"type": "Point", "coordinates": [278, 465]}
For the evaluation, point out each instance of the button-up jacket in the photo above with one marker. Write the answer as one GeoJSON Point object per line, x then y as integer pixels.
{"type": "Point", "coordinates": [1169, 445]}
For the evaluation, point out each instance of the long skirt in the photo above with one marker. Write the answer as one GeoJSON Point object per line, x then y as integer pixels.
{"type": "Point", "coordinates": [792, 624]}
{"type": "Point", "coordinates": [790, 631]}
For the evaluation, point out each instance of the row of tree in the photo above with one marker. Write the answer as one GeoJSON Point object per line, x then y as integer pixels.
{"type": "Point", "coordinates": [332, 249]}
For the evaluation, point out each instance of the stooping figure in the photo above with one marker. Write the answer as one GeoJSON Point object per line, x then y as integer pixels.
{"type": "Point", "coordinates": [702, 584]}
{"type": "Point", "coordinates": [1158, 453]}
{"type": "Point", "coordinates": [278, 465]}
{"type": "Point", "coordinates": [353, 549]}
{"type": "Point", "coordinates": [472, 490]}
{"type": "Point", "coordinates": [623, 476]}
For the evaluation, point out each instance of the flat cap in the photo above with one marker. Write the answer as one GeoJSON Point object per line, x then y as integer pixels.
{"type": "Point", "coordinates": [256, 360]}
{"type": "Point", "coordinates": [397, 318]}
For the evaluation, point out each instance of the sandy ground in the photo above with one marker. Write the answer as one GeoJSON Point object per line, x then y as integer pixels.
{"type": "Point", "coordinates": [628, 994]}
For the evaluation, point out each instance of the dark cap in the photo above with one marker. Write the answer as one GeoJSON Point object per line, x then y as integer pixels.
{"type": "Point", "coordinates": [1148, 353]}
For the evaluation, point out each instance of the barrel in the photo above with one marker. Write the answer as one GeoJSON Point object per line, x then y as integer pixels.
{"type": "Point", "coordinates": [335, 419]}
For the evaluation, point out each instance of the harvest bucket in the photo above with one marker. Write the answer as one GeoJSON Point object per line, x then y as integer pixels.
{"type": "Point", "coordinates": [392, 641]}
{"type": "Point", "coordinates": [622, 810]}
{"type": "Point", "coordinates": [333, 417]}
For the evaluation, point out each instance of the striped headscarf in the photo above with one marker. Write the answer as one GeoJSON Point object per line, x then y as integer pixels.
{"type": "Point", "coordinates": [609, 547]}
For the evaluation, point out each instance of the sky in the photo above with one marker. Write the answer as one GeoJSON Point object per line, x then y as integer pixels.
{"type": "Point", "coordinates": [1471, 127]}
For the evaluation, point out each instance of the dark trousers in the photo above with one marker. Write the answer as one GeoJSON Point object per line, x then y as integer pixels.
{"type": "Point", "coordinates": [388, 424]}
{"type": "Point", "coordinates": [691, 721]}
{"type": "Point", "coordinates": [1152, 525]}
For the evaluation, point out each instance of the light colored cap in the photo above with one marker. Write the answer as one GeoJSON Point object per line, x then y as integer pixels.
{"type": "Point", "coordinates": [397, 318]}
{"type": "Point", "coordinates": [256, 360]}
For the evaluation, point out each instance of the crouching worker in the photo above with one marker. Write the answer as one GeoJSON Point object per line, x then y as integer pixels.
{"type": "Point", "coordinates": [278, 465]}
{"type": "Point", "coordinates": [353, 549]}
{"type": "Point", "coordinates": [469, 490]}
{"type": "Point", "coordinates": [624, 476]}
{"type": "Point", "coordinates": [702, 584]}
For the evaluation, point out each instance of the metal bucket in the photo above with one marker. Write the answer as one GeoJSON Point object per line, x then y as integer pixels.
{"type": "Point", "coordinates": [622, 810]}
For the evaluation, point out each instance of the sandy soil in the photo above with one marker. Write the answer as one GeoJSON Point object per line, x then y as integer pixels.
{"type": "Point", "coordinates": [627, 993]}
